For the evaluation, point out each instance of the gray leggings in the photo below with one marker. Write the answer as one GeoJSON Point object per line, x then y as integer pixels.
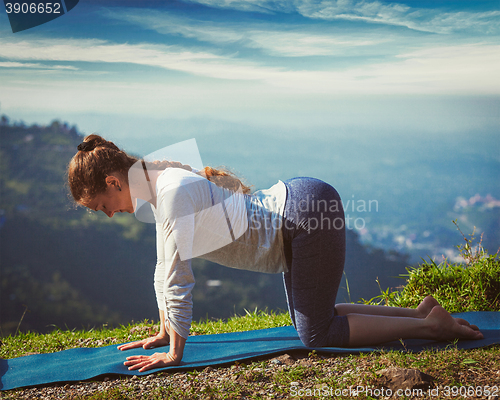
{"type": "Point", "coordinates": [314, 244]}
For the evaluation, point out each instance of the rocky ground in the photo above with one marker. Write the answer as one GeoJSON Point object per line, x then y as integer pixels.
{"type": "Point", "coordinates": [296, 375]}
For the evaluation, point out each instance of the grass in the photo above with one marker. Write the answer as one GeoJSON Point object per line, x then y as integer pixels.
{"type": "Point", "coordinates": [470, 286]}
{"type": "Point", "coordinates": [263, 379]}
{"type": "Point", "coordinates": [28, 343]}
{"type": "Point", "coordinates": [473, 285]}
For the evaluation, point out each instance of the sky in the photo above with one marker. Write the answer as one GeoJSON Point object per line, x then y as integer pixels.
{"type": "Point", "coordinates": [271, 62]}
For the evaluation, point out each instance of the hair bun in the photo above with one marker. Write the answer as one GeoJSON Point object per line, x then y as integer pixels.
{"type": "Point", "coordinates": [86, 146]}
{"type": "Point", "coordinates": [92, 141]}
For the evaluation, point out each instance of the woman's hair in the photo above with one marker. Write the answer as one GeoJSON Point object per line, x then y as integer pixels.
{"type": "Point", "coordinates": [98, 158]}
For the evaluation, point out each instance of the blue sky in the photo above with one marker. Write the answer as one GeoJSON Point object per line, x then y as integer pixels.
{"type": "Point", "coordinates": [428, 64]}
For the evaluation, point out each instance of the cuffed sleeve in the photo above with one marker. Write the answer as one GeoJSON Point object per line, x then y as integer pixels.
{"type": "Point", "coordinates": [174, 279]}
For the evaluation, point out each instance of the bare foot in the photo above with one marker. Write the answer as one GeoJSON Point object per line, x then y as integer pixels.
{"type": "Point", "coordinates": [445, 327]}
{"type": "Point", "coordinates": [425, 307]}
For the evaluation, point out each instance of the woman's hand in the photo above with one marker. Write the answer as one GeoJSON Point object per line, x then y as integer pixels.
{"type": "Point", "coordinates": [157, 360]}
{"type": "Point", "coordinates": [155, 341]}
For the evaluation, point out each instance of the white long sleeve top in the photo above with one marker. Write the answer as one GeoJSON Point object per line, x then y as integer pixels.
{"type": "Point", "coordinates": [196, 218]}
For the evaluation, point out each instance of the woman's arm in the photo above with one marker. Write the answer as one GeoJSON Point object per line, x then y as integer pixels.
{"type": "Point", "coordinates": [177, 343]}
{"type": "Point", "coordinates": [173, 278]}
{"type": "Point", "coordinates": [163, 331]}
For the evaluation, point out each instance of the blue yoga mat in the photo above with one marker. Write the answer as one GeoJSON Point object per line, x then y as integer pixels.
{"type": "Point", "coordinates": [204, 350]}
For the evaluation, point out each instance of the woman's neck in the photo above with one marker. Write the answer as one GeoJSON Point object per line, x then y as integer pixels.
{"type": "Point", "coordinates": [153, 177]}
{"type": "Point", "coordinates": [144, 187]}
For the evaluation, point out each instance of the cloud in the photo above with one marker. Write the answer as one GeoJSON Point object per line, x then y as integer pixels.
{"type": "Point", "coordinates": [169, 24]}
{"type": "Point", "coordinates": [432, 21]}
{"type": "Point", "coordinates": [262, 6]}
{"type": "Point", "coordinates": [10, 64]}
{"type": "Point", "coordinates": [466, 69]}
{"type": "Point", "coordinates": [167, 57]}
{"type": "Point", "coordinates": [396, 14]}
{"type": "Point", "coordinates": [274, 39]}
{"type": "Point", "coordinates": [303, 44]}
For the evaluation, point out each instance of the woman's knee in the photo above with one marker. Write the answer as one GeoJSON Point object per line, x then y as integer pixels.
{"type": "Point", "coordinates": [309, 339]}
{"type": "Point", "coordinates": [336, 334]}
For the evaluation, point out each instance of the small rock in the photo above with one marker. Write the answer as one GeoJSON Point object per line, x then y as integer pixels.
{"type": "Point", "coordinates": [403, 378]}
{"type": "Point", "coordinates": [208, 369]}
{"type": "Point", "coordinates": [276, 361]}
{"type": "Point", "coordinates": [286, 359]}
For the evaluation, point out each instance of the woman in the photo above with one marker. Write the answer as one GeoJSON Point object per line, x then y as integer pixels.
{"type": "Point", "coordinates": [296, 227]}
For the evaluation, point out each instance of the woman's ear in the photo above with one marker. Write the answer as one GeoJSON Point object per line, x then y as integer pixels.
{"type": "Point", "coordinates": [113, 181]}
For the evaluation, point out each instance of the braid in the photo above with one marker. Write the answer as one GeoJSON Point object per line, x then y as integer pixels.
{"type": "Point", "coordinates": [221, 177]}
{"type": "Point", "coordinates": [225, 179]}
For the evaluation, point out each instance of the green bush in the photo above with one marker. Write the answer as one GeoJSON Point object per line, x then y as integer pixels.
{"type": "Point", "coordinates": [473, 285]}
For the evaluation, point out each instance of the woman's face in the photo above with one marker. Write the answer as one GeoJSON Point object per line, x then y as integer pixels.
{"type": "Point", "coordinates": [115, 199]}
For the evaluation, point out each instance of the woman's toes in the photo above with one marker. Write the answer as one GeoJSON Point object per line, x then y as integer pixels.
{"type": "Point", "coordinates": [466, 330]}
{"type": "Point", "coordinates": [445, 327]}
